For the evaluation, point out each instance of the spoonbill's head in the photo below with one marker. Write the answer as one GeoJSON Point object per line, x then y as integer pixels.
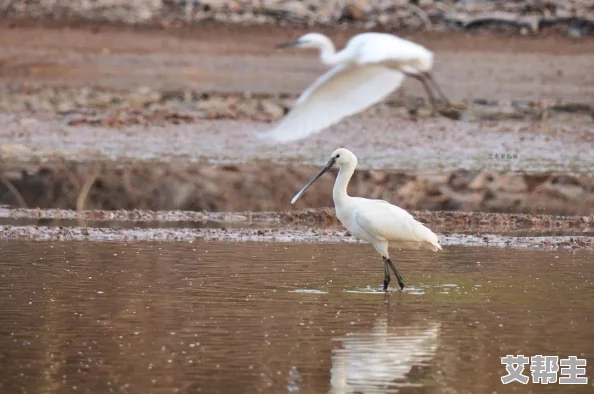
{"type": "Point", "coordinates": [343, 156]}
{"type": "Point", "coordinates": [340, 156]}
{"type": "Point", "coordinates": [309, 40]}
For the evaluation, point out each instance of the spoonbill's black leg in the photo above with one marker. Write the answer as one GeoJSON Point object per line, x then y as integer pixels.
{"type": "Point", "coordinates": [398, 277]}
{"type": "Point", "coordinates": [439, 91]}
{"type": "Point", "coordinates": [386, 275]}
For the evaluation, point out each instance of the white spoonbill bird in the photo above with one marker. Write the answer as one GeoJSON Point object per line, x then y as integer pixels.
{"type": "Point", "coordinates": [374, 221]}
{"type": "Point", "coordinates": [368, 69]}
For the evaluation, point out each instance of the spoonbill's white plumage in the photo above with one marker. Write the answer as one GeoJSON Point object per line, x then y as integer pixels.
{"type": "Point", "coordinates": [374, 221]}
{"type": "Point", "coordinates": [368, 69]}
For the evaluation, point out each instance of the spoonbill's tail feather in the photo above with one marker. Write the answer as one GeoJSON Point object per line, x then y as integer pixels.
{"type": "Point", "coordinates": [423, 234]}
{"type": "Point", "coordinates": [431, 239]}
{"type": "Point", "coordinates": [342, 91]}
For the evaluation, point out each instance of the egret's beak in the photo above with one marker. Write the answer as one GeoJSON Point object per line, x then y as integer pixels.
{"type": "Point", "coordinates": [315, 178]}
{"type": "Point", "coordinates": [290, 44]}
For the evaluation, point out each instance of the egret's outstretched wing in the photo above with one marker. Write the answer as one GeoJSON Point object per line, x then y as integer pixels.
{"type": "Point", "coordinates": [341, 92]}
{"type": "Point", "coordinates": [391, 223]}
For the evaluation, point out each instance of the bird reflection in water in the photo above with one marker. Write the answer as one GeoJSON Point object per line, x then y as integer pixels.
{"type": "Point", "coordinates": [381, 361]}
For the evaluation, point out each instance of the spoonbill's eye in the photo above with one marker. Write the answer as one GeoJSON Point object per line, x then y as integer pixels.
{"type": "Point", "coordinates": [337, 156]}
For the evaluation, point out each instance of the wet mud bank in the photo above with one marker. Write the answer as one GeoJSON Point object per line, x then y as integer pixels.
{"type": "Point", "coordinates": [300, 235]}
{"type": "Point", "coordinates": [269, 187]}
{"type": "Point", "coordinates": [441, 221]}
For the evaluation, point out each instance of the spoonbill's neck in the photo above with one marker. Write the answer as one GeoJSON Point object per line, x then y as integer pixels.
{"type": "Point", "coordinates": [339, 193]}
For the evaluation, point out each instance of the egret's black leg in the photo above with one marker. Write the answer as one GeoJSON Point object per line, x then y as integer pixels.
{"type": "Point", "coordinates": [421, 77]}
{"type": "Point", "coordinates": [386, 275]}
{"type": "Point", "coordinates": [439, 91]}
{"type": "Point", "coordinates": [398, 277]}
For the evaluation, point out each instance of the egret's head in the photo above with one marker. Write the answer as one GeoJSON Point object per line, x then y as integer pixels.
{"type": "Point", "coordinates": [340, 156]}
{"type": "Point", "coordinates": [343, 156]}
{"type": "Point", "coordinates": [309, 40]}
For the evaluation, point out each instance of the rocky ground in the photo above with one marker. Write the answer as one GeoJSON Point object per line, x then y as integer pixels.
{"type": "Point", "coordinates": [573, 17]}
{"type": "Point", "coordinates": [270, 187]}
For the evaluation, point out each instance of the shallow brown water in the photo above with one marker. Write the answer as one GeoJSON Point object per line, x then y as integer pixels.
{"type": "Point", "coordinates": [226, 317]}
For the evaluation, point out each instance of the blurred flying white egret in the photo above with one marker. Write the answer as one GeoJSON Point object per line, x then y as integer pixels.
{"type": "Point", "coordinates": [374, 221]}
{"type": "Point", "coordinates": [368, 69]}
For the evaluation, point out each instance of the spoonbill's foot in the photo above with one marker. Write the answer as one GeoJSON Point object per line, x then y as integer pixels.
{"type": "Point", "coordinates": [386, 282]}
{"type": "Point", "coordinates": [398, 277]}
{"type": "Point", "coordinates": [400, 282]}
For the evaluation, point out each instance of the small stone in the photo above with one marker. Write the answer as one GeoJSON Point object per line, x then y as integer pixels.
{"type": "Point", "coordinates": [383, 19]}
{"type": "Point", "coordinates": [297, 9]}
{"type": "Point", "coordinates": [273, 109]}
{"type": "Point", "coordinates": [356, 9]}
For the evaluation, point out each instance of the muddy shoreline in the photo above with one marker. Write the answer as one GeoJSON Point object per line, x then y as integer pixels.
{"type": "Point", "coordinates": [445, 222]}
{"type": "Point", "coordinates": [303, 235]}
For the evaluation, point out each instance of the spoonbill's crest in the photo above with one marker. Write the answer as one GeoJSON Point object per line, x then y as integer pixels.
{"type": "Point", "coordinates": [374, 221]}
{"type": "Point", "coordinates": [368, 69]}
